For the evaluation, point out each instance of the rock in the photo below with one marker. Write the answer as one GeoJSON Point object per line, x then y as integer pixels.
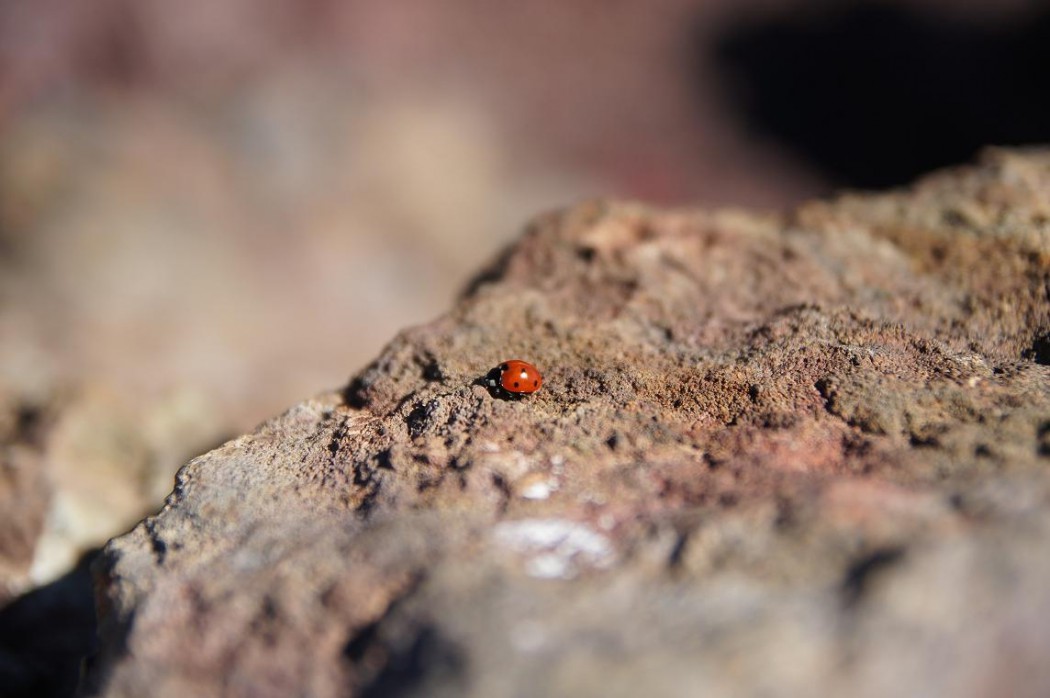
{"type": "Point", "coordinates": [79, 464]}
{"type": "Point", "coordinates": [773, 455]}
{"type": "Point", "coordinates": [76, 465]}
{"type": "Point", "coordinates": [25, 493]}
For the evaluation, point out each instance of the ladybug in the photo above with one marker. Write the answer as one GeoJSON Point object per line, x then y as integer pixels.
{"type": "Point", "coordinates": [516, 377]}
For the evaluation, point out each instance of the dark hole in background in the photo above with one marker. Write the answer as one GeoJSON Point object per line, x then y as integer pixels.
{"type": "Point", "coordinates": [46, 633]}
{"type": "Point", "coordinates": [873, 95]}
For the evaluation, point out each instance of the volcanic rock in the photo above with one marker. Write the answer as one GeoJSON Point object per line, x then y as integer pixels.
{"type": "Point", "coordinates": [798, 454]}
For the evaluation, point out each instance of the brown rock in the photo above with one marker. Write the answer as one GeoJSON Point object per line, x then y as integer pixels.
{"type": "Point", "coordinates": [798, 455]}
{"type": "Point", "coordinates": [75, 466]}
{"type": "Point", "coordinates": [24, 492]}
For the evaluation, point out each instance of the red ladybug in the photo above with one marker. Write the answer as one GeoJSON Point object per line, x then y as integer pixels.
{"type": "Point", "coordinates": [516, 377]}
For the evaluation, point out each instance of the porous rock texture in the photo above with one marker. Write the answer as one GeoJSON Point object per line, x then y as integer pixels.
{"type": "Point", "coordinates": [799, 454]}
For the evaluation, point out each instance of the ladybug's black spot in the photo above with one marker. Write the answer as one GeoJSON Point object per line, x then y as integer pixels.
{"type": "Point", "coordinates": [535, 384]}
{"type": "Point", "coordinates": [516, 384]}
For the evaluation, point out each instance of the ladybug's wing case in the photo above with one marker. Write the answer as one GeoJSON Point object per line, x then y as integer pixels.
{"type": "Point", "coordinates": [518, 376]}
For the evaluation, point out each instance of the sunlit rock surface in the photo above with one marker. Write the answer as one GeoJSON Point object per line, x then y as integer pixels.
{"type": "Point", "coordinates": [800, 454]}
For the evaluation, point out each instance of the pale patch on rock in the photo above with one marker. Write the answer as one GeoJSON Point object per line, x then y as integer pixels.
{"type": "Point", "coordinates": [556, 548]}
{"type": "Point", "coordinates": [536, 486]}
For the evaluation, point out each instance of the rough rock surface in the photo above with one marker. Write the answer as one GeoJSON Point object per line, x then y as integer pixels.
{"type": "Point", "coordinates": [805, 454]}
{"type": "Point", "coordinates": [24, 494]}
{"type": "Point", "coordinates": [76, 465]}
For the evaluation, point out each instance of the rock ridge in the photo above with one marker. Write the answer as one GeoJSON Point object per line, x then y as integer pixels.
{"type": "Point", "coordinates": [773, 455]}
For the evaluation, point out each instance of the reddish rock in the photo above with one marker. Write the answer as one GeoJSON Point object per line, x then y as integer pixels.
{"type": "Point", "coordinates": [773, 455]}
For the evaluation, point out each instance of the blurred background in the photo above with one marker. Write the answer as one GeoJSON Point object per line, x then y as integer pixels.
{"type": "Point", "coordinates": [209, 211]}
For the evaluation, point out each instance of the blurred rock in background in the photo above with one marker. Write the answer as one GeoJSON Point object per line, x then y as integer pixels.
{"type": "Point", "coordinates": [209, 211]}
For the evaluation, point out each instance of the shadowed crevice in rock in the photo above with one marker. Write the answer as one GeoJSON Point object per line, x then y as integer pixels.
{"type": "Point", "coordinates": [492, 273]}
{"type": "Point", "coordinates": [859, 575]}
{"type": "Point", "coordinates": [400, 655]}
{"type": "Point", "coordinates": [762, 446]}
{"type": "Point", "coordinates": [419, 663]}
{"type": "Point", "coordinates": [1039, 352]}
